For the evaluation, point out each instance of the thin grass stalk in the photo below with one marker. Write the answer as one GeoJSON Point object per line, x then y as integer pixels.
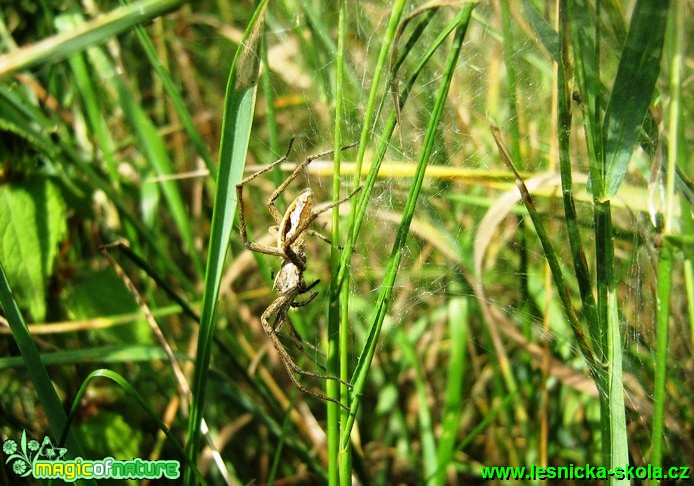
{"type": "Point", "coordinates": [236, 129]}
{"type": "Point", "coordinates": [585, 34]}
{"type": "Point", "coordinates": [661, 353]}
{"type": "Point", "coordinates": [550, 255]}
{"type": "Point", "coordinates": [91, 102]}
{"type": "Point", "coordinates": [155, 150]}
{"type": "Point", "coordinates": [382, 302]}
{"type": "Point", "coordinates": [337, 462]}
{"type": "Point", "coordinates": [281, 440]}
{"type": "Point", "coordinates": [586, 39]}
{"type": "Point", "coordinates": [366, 130]}
{"type": "Point", "coordinates": [177, 371]}
{"type": "Point", "coordinates": [124, 353]}
{"type": "Point", "coordinates": [609, 376]}
{"type": "Point", "coordinates": [322, 34]}
{"type": "Point", "coordinates": [426, 432]}
{"type": "Point", "coordinates": [564, 134]}
{"type": "Point", "coordinates": [665, 259]}
{"type": "Point", "coordinates": [458, 316]}
{"type": "Point", "coordinates": [638, 70]}
{"type": "Point", "coordinates": [488, 419]}
{"type": "Point", "coordinates": [586, 71]}
{"type": "Point", "coordinates": [677, 55]}
{"type": "Point", "coordinates": [345, 454]}
{"type": "Point", "coordinates": [396, 63]}
{"type": "Point", "coordinates": [362, 199]}
{"type": "Point", "coordinates": [509, 50]}
{"type": "Point", "coordinates": [153, 146]}
{"type": "Point", "coordinates": [176, 99]}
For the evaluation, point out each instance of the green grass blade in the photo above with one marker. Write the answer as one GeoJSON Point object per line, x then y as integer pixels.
{"type": "Point", "coordinates": [581, 270]}
{"type": "Point", "coordinates": [633, 87]}
{"type": "Point", "coordinates": [129, 353]}
{"type": "Point", "coordinates": [661, 352]}
{"type": "Point", "coordinates": [141, 401]}
{"type": "Point", "coordinates": [505, 404]}
{"type": "Point", "coordinates": [386, 46]}
{"type": "Point", "coordinates": [584, 26]}
{"type": "Point", "coordinates": [154, 148]}
{"type": "Point", "coordinates": [58, 47]}
{"type": "Point", "coordinates": [339, 461]}
{"type": "Point", "coordinates": [176, 99]}
{"type": "Point", "coordinates": [365, 194]}
{"type": "Point", "coordinates": [550, 254]}
{"type": "Point", "coordinates": [366, 355]}
{"type": "Point", "coordinates": [509, 53]}
{"type": "Point", "coordinates": [426, 432]}
{"type": "Point", "coordinates": [547, 36]}
{"type": "Point", "coordinates": [236, 130]}
{"type": "Point", "coordinates": [85, 81]}
{"type": "Point", "coordinates": [47, 394]}
{"type": "Point", "coordinates": [619, 446]}
{"type": "Point", "coordinates": [453, 401]}
{"type": "Point", "coordinates": [151, 142]}
{"type": "Point", "coordinates": [321, 34]}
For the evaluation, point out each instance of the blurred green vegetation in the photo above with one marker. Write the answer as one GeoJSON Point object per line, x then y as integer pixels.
{"type": "Point", "coordinates": [110, 129]}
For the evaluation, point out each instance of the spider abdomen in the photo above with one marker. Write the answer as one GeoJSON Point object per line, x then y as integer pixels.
{"type": "Point", "coordinates": [289, 277]}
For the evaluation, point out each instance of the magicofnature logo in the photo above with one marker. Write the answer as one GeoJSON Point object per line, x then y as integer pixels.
{"type": "Point", "coordinates": [45, 461]}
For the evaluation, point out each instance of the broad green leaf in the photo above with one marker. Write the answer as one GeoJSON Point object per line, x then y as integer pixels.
{"type": "Point", "coordinates": [32, 223]}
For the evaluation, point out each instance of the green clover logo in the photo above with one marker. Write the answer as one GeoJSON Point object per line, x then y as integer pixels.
{"type": "Point", "coordinates": [20, 459]}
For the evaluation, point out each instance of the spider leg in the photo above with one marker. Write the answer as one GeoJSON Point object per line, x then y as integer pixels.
{"type": "Point", "coordinates": [299, 168]}
{"type": "Point", "coordinates": [305, 302]}
{"type": "Point", "coordinates": [319, 235]}
{"type": "Point", "coordinates": [295, 257]}
{"type": "Point", "coordinates": [280, 307]}
{"type": "Point", "coordinates": [310, 298]}
{"type": "Point", "coordinates": [267, 250]}
{"type": "Point", "coordinates": [239, 191]}
{"type": "Point", "coordinates": [300, 344]}
{"type": "Point", "coordinates": [329, 205]}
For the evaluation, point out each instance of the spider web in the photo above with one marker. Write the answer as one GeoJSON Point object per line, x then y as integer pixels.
{"type": "Point", "coordinates": [438, 262]}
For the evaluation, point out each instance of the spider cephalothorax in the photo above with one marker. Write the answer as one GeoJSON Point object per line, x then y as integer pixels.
{"type": "Point", "coordinates": [290, 246]}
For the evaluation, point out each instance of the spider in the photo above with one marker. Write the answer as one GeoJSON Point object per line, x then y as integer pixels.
{"type": "Point", "coordinates": [289, 281]}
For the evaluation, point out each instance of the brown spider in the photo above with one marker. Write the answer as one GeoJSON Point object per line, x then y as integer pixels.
{"type": "Point", "coordinates": [289, 281]}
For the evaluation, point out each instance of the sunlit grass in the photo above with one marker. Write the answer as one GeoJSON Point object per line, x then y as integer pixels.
{"type": "Point", "coordinates": [477, 325]}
